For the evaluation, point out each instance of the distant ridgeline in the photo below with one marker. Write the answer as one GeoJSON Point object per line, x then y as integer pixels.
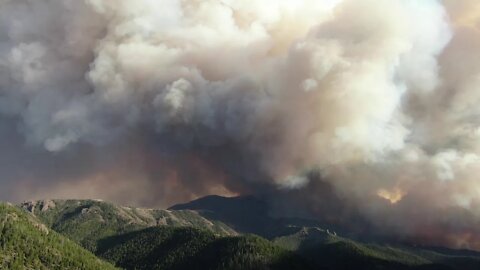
{"type": "Point", "coordinates": [209, 233]}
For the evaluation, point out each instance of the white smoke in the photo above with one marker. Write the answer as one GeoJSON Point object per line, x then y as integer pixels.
{"type": "Point", "coordinates": [380, 96]}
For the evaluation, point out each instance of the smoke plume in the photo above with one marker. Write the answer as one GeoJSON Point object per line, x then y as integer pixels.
{"type": "Point", "coordinates": [153, 102]}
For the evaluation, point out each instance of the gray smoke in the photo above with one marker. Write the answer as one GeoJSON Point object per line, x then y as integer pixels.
{"type": "Point", "coordinates": [153, 102]}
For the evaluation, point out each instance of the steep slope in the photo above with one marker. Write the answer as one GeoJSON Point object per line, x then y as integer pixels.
{"type": "Point", "coordinates": [189, 248]}
{"type": "Point", "coordinates": [88, 221]}
{"type": "Point", "coordinates": [25, 243]}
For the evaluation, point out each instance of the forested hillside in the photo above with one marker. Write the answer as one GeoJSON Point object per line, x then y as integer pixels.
{"type": "Point", "coordinates": [189, 248]}
{"type": "Point", "coordinates": [208, 233]}
{"type": "Point", "coordinates": [88, 221]}
{"type": "Point", "coordinates": [25, 243]}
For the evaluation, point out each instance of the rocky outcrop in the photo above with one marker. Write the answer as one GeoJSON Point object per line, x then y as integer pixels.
{"type": "Point", "coordinates": [41, 205]}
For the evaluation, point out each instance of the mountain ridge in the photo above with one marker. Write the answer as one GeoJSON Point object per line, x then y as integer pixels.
{"type": "Point", "coordinates": [26, 243]}
{"type": "Point", "coordinates": [101, 227]}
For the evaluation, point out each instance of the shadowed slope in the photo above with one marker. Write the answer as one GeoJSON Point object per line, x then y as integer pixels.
{"type": "Point", "coordinates": [189, 248]}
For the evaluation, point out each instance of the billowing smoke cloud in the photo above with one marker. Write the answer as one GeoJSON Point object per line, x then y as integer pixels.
{"type": "Point", "coordinates": [153, 102]}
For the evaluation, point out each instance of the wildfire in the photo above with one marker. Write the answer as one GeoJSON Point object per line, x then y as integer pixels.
{"type": "Point", "coordinates": [393, 196]}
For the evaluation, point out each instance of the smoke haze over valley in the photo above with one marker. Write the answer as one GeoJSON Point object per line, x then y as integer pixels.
{"type": "Point", "coordinates": [360, 113]}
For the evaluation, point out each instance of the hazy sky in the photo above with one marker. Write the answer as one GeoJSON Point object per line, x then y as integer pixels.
{"type": "Point", "coordinates": [152, 102]}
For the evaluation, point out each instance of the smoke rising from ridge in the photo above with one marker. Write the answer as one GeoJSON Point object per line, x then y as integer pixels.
{"type": "Point", "coordinates": [154, 102]}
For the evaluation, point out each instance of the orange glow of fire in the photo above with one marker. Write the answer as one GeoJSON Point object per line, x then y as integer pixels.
{"type": "Point", "coordinates": [393, 196]}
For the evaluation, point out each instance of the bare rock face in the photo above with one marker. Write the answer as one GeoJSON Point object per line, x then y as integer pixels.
{"type": "Point", "coordinates": [29, 206]}
{"type": "Point", "coordinates": [42, 205]}
{"type": "Point", "coordinates": [47, 204]}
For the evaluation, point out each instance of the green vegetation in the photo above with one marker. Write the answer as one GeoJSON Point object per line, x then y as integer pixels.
{"type": "Point", "coordinates": [347, 254]}
{"type": "Point", "coordinates": [197, 235]}
{"type": "Point", "coordinates": [189, 248]}
{"type": "Point", "coordinates": [334, 252]}
{"type": "Point", "coordinates": [25, 243]}
{"type": "Point", "coordinates": [88, 221]}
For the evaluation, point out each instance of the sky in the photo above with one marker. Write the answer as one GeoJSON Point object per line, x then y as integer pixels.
{"type": "Point", "coordinates": [362, 113]}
